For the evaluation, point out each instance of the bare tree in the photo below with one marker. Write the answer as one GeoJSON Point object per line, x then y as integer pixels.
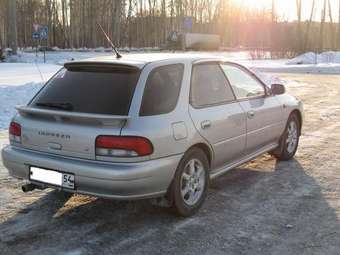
{"type": "Point", "coordinates": [322, 25]}
{"type": "Point", "coordinates": [64, 26]}
{"type": "Point", "coordinates": [12, 26]}
{"type": "Point", "coordinates": [308, 26]}
{"type": "Point", "coordinates": [2, 24]}
{"type": "Point", "coordinates": [148, 23]}
{"type": "Point", "coordinates": [338, 30]}
{"type": "Point", "coordinates": [332, 27]}
{"type": "Point", "coordinates": [299, 30]}
{"type": "Point", "coordinates": [273, 21]}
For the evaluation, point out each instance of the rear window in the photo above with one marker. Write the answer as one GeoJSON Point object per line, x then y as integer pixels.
{"type": "Point", "coordinates": [90, 89]}
{"type": "Point", "coordinates": [162, 90]}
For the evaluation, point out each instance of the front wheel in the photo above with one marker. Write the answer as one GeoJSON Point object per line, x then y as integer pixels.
{"type": "Point", "coordinates": [190, 184]}
{"type": "Point", "coordinates": [290, 140]}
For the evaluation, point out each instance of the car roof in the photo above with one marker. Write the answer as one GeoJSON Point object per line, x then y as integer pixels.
{"type": "Point", "coordinates": [141, 59]}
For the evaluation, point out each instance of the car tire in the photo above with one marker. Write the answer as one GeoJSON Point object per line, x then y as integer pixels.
{"type": "Point", "coordinates": [289, 140]}
{"type": "Point", "coordinates": [190, 184]}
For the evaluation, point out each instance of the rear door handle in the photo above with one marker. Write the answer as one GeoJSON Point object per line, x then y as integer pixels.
{"type": "Point", "coordinates": [251, 114]}
{"type": "Point", "coordinates": [205, 124]}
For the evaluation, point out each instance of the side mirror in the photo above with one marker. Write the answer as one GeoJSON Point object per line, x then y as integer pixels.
{"type": "Point", "coordinates": [278, 89]}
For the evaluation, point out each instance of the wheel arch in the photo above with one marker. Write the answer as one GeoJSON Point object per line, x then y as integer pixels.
{"type": "Point", "coordinates": [299, 115]}
{"type": "Point", "coordinates": [206, 149]}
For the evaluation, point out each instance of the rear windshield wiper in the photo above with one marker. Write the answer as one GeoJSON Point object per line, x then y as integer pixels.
{"type": "Point", "coordinates": [62, 106]}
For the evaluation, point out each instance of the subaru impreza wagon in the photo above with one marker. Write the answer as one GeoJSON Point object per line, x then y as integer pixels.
{"type": "Point", "coordinates": [149, 126]}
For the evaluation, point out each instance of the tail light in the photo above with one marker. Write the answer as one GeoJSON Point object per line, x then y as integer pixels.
{"type": "Point", "coordinates": [15, 132]}
{"type": "Point", "coordinates": [123, 146]}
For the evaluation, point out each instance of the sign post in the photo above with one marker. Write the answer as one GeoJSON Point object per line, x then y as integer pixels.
{"type": "Point", "coordinates": [40, 33]}
{"type": "Point", "coordinates": [36, 37]}
{"type": "Point", "coordinates": [43, 31]}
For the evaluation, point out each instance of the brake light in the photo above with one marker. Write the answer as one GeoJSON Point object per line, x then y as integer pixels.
{"type": "Point", "coordinates": [15, 132]}
{"type": "Point", "coordinates": [123, 146]}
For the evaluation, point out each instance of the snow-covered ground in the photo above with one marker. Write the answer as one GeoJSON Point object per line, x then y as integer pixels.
{"type": "Point", "coordinates": [18, 83]}
{"type": "Point", "coordinates": [24, 75]}
{"type": "Point", "coordinates": [281, 66]}
{"type": "Point", "coordinates": [325, 63]}
{"type": "Point", "coordinates": [16, 74]}
{"type": "Point", "coordinates": [60, 56]}
{"type": "Point", "coordinates": [311, 58]}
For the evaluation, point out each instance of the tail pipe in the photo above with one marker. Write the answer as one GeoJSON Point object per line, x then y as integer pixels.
{"type": "Point", "coordinates": [28, 187]}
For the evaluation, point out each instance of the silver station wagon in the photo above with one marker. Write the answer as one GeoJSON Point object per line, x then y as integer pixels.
{"type": "Point", "coordinates": [149, 126]}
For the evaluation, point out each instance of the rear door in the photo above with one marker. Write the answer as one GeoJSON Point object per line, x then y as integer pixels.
{"type": "Point", "coordinates": [264, 112]}
{"type": "Point", "coordinates": [216, 114]}
{"type": "Point", "coordinates": [82, 90]}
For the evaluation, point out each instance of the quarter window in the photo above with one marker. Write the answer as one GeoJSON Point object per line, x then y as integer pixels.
{"type": "Point", "coordinates": [209, 86]}
{"type": "Point", "coordinates": [162, 90]}
{"type": "Point", "coordinates": [243, 84]}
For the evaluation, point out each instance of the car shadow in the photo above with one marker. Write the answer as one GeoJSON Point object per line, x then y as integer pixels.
{"type": "Point", "coordinates": [272, 207]}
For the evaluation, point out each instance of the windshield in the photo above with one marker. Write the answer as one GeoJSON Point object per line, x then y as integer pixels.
{"type": "Point", "coordinates": [90, 89]}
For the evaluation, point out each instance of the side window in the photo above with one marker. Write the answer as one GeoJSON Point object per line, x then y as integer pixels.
{"type": "Point", "coordinates": [162, 90]}
{"type": "Point", "coordinates": [243, 84]}
{"type": "Point", "coordinates": [209, 86]}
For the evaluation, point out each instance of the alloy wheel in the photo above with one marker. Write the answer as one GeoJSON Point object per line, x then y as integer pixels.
{"type": "Point", "coordinates": [192, 182]}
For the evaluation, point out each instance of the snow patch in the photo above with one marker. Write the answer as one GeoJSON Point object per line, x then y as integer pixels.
{"type": "Point", "coordinates": [10, 96]}
{"type": "Point", "coordinates": [311, 58]}
{"type": "Point", "coordinates": [13, 74]}
{"type": "Point", "coordinates": [268, 79]}
{"type": "Point", "coordinates": [19, 82]}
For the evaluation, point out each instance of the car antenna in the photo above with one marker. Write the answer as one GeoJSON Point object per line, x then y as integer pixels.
{"type": "Point", "coordinates": [109, 40]}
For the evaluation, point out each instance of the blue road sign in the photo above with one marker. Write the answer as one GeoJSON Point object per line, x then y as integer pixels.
{"type": "Point", "coordinates": [36, 35]}
{"type": "Point", "coordinates": [43, 31]}
{"type": "Point", "coordinates": [187, 23]}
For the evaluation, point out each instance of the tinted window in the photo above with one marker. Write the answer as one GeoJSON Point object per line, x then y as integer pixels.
{"type": "Point", "coordinates": [209, 86]}
{"type": "Point", "coordinates": [243, 84]}
{"type": "Point", "coordinates": [162, 90]}
{"type": "Point", "coordinates": [102, 90]}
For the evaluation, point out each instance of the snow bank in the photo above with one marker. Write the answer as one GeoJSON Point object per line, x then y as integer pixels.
{"type": "Point", "coordinates": [307, 69]}
{"type": "Point", "coordinates": [308, 58]}
{"type": "Point", "coordinates": [281, 66]}
{"type": "Point", "coordinates": [311, 58]}
{"type": "Point", "coordinates": [18, 84]}
{"type": "Point", "coordinates": [328, 62]}
{"type": "Point", "coordinates": [21, 73]}
{"type": "Point", "coordinates": [10, 96]}
{"type": "Point", "coordinates": [268, 79]}
{"type": "Point", "coordinates": [60, 56]}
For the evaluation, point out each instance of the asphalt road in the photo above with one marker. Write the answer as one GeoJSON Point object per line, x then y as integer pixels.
{"type": "Point", "coordinates": [263, 207]}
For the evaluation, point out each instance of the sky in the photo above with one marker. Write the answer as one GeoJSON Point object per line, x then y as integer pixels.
{"type": "Point", "coordinates": [286, 9]}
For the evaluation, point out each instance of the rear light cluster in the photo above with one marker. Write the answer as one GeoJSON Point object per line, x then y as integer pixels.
{"type": "Point", "coordinates": [15, 132]}
{"type": "Point", "coordinates": [123, 146]}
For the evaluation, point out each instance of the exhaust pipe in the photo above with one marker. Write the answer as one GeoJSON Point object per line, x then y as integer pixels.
{"type": "Point", "coordinates": [28, 187]}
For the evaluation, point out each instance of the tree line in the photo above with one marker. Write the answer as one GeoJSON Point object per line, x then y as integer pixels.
{"type": "Point", "coordinates": [148, 23]}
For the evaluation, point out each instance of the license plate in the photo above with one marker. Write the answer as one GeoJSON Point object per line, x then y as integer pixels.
{"type": "Point", "coordinates": [52, 177]}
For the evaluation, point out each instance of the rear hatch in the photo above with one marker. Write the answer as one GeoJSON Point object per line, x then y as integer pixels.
{"type": "Point", "coordinates": [81, 102]}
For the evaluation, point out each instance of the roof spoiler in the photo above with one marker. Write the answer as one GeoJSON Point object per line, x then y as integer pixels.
{"type": "Point", "coordinates": [104, 119]}
{"type": "Point", "coordinates": [98, 63]}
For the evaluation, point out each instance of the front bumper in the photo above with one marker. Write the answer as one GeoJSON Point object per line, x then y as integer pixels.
{"type": "Point", "coordinates": [102, 179]}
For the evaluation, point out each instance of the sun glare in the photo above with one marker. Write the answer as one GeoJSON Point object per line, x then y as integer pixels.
{"type": "Point", "coordinates": [286, 9]}
{"type": "Point", "coordinates": [258, 4]}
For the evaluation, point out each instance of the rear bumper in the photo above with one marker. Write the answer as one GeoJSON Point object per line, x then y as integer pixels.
{"type": "Point", "coordinates": [103, 179]}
